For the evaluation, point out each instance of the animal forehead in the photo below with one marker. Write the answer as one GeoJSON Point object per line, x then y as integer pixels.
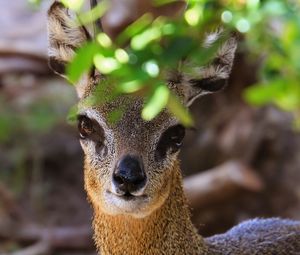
{"type": "Point", "coordinates": [131, 121]}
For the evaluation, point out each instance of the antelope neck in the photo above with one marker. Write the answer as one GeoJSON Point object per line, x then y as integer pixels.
{"type": "Point", "coordinates": [168, 230]}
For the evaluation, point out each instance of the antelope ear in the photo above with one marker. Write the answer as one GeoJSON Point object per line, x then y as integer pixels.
{"type": "Point", "coordinates": [214, 77]}
{"type": "Point", "coordinates": [64, 37]}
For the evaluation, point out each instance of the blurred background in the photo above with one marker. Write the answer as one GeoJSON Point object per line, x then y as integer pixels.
{"type": "Point", "coordinates": [244, 150]}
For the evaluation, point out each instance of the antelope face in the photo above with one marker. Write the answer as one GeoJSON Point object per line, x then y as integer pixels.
{"type": "Point", "coordinates": [129, 165]}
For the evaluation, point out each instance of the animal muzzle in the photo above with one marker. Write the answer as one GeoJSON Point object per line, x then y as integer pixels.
{"type": "Point", "coordinates": [129, 177]}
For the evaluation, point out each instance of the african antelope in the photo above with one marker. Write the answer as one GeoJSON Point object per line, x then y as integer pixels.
{"type": "Point", "coordinates": [132, 172]}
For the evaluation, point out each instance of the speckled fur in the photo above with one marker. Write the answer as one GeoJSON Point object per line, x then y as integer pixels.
{"type": "Point", "coordinates": [159, 233]}
{"type": "Point", "coordinates": [159, 222]}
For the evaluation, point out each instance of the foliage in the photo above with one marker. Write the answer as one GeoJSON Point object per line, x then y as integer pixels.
{"type": "Point", "coordinates": [152, 46]}
{"type": "Point", "coordinates": [270, 27]}
{"type": "Point", "coordinates": [272, 36]}
{"type": "Point", "coordinates": [270, 31]}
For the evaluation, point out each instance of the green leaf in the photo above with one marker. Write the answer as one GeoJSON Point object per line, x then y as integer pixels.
{"type": "Point", "coordinates": [73, 4]}
{"type": "Point", "coordinates": [34, 3]}
{"type": "Point", "coordinates": [72, 114]}
{"type": "Point", "coordinates": [283, 94]}
{"type": "Point", "coordinates": [115, 115]}
{"type": "Point", "coordinates": [104, 40]}
{"type": "Point", "coordinates": [180, 111]}
{"type": "Point", "coordinates": [156, 102]}
{"type": "Point", "coordinates": [82, 61]}
{"type": "Point", "coordinates": [288, 101]}
{"type": "Point", "coordinates": [151, 68]}
{"type": "Point", "coordinates": [261, 94]}
{"type": "Point", "coordinates": [94, 14]}
{"type": "Point", "coordinates": [106, 65]}
{"type": "Point", "coordinates": [135, 28]}
{"type": "Point", "coordinates": [140, 41]}
{"type": "Point", "coordinates": [122, 56]}
{"type": "Point", "coordinates": [130, 87]}
{"type": "Point", "coordinates": [193, 15]}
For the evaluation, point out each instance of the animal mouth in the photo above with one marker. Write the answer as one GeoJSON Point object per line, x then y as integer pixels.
{"type": "Point", "coordinates": [127, 203]}
{"type": "Point", "coordinates": [127, 196]}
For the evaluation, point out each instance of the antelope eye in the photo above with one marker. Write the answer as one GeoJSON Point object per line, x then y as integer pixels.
{"type": "Point", "coordinates": [176, 135]}
{"type": "Point", "coordinates": [85, 127]}
{"type": "Point", "coordinates": [171, 140]}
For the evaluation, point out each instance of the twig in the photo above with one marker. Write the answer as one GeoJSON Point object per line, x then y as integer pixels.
{"type": "Point", "coordinates": [57, 238]}
{"type": "Point", "coordinates": [220, 183]}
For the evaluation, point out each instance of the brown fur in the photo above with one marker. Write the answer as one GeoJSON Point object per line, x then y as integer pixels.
{"type": "Point", "coordinates": [167, 230]}
{"type": "Point", "coordinates": [157, 221]}
{"type": "Point", "coordinates": [64, 34]}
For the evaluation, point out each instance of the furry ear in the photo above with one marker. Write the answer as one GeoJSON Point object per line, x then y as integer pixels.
{"type": "Point", "coordinates": [64, 36]}
{"type": "Point", "coordinates": [211, 78]}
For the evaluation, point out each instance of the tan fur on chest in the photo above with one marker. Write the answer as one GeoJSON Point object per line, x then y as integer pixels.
{"type": "Point", "coordinates": [159, 233]}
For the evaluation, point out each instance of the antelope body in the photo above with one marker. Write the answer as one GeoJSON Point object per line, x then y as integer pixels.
{"type": "Point", "coordinates": [132, 173]}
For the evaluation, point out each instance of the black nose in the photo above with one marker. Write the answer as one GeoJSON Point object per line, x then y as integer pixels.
{"type": "Point", "coordinates": [129, 175]}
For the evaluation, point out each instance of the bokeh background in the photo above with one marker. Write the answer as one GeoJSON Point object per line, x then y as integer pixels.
{"type": "Point", "coordinates": [244, 150]}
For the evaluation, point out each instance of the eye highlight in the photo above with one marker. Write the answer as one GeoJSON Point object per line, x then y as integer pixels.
{"type": "Point", "coordinates": [170, 140]}
{"type": "Point", "coordinates": [91, 131]}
